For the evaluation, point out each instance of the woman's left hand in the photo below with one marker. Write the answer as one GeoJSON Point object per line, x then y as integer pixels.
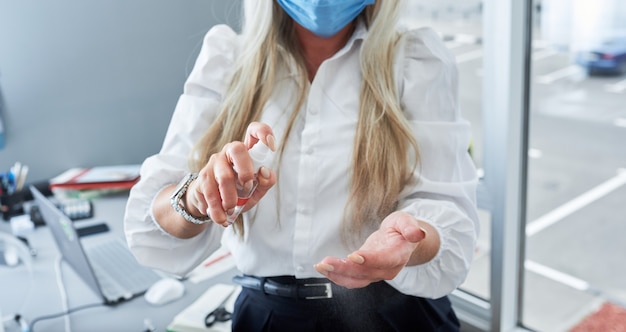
{"type": "Point", "coordinates": [382, 256]}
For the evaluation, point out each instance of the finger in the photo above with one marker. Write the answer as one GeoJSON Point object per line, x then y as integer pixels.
{"type": "Point", "coordinates": [195, 195]}
{"type": "Point", "coordinates": [214, 201]}
{"type": "Point", "coordinates": [225, 178]}
{"type": "Point", "coordinates": [356, 258]}
{"type": "Point", "coordinates": [373, 260]}
{"type": "Point", "coordinates": [238, 159]}
{"type": "Point", "coordinates": [258, 131]}
{"type": "Point", "coordinates": [346, 269]}
{"type": "Point", "coordinates": [411, 230]}
{"type": "Point", "coordinates": [217, 183]}
{"type": "Point", "coordinates": [346, 274]}
{"type": "Point", "coordinates": [324, 268]}
{"type": "Point", "coordinates": [348, 282]}
{"type": "Point", "coordinates": [389, 258]}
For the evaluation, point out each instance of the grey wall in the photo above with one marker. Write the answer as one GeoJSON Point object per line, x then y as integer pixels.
{"type": "Point", "coordinates": [86, 83]}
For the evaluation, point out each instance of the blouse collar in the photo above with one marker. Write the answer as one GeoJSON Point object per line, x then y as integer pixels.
{"type": "Point", "coordinates": [359, 34]}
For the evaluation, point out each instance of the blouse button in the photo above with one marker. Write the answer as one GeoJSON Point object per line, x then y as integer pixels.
{"type": "Point", "coordinates": [300, 268]}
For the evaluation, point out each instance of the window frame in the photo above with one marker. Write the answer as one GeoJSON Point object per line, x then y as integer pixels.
{"type": "Point", "coordinates": [507, 45]}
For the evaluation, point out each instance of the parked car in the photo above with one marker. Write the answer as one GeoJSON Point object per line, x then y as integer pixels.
{"type": "Point", "coordinates": [607, 58]}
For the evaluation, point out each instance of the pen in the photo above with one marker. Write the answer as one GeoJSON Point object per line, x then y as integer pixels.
{"type": "Point", "coordinates": [13, 180]}
{"type": "Point", "coordinates": [216, 259]}
{"type": "Point", "coordinates": [21, 178]}
{"type": "Point", "coordinates": [14, 173]}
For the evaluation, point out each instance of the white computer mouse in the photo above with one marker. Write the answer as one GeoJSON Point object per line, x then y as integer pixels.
{"type": "Point", "coordinates": [164, 291]}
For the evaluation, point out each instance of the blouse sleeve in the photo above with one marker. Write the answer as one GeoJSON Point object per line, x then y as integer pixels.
{"type": "Point", "coordinates": [195, 110]}
{"type": "Point", "coordinates": [444, 192]}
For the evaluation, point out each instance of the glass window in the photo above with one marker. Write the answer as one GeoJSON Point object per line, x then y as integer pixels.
{"type": "Point", "coordinates": [460, 25]}
{"type": "Point", "coordinates": [574, 184]}
{"type": "Point", "coordinates": [575, 267]}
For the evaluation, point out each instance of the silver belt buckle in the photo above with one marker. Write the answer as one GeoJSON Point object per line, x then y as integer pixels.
{"type": "Point", "coordinates": [328, 291]}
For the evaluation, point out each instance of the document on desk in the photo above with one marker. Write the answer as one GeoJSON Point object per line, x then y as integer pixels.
{"type": "Point", "coordinates": [192, 319]}
{"type": "Point", "coordinates": [98, 177]}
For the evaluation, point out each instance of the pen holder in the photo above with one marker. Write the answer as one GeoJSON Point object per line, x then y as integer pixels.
{"type": "Point", "coordinates": [12, 205]}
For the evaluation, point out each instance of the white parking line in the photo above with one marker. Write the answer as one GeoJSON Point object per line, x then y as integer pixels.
{"type": "Point", "coordinates": [535, 153]}
{"type": "Point", "coordinates": [559, 74]}
{"type": "Point", "coordinates": [453, 44]}
{"type": "Point", "coordinates": [544, 53]}
{"type": "Point", "coordinates": [466, 38]}
{"type": "Point", "coordinates": [555, 275]}
{"type": "Point", "coordinates": [539, 55]}
{"type": "Point", "coordinates": [616, 87]}
{"type": "Point", "coordinates": [469, 56]}
{"type": "Point", "coordinates": [540, 43]}
{"type": "Point", "coordinates": [620, 122]}
{"type": "Point", "coordinates": [576, 204]}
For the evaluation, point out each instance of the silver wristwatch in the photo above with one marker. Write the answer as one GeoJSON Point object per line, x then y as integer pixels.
{"type": "Point", "coordinates": [178, 204]}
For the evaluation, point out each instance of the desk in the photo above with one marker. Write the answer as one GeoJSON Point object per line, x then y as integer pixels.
{"type": "Point", "coordinates": [39, 295]}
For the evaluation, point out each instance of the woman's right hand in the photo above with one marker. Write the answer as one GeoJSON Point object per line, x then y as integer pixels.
{"type": "Point", "coordinates": [214, 192]}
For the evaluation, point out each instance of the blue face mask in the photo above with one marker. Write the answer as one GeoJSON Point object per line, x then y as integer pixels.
{"type": "Point", "coordinates": [324, 17]}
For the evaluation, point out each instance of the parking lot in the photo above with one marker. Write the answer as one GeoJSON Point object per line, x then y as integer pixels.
{"type": "Point", "coordinates": [576, 180]}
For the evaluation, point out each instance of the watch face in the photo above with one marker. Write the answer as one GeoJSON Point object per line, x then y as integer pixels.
{"type": "Point", "coordinates": [181, 188]}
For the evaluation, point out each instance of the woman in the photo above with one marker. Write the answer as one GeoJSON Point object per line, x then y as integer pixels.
{"type": "Point", "coordinates": [366, 219]}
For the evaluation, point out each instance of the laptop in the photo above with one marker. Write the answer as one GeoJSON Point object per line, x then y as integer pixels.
{"type": "Point", "coordinates": [108, 267]}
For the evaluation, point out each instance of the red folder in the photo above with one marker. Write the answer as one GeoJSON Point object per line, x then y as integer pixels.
{"type": "Point", "coordinates": [99, 177]}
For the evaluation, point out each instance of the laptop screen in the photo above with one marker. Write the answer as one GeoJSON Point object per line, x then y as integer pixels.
{"type": "Point", "coordinates": [67, 239]}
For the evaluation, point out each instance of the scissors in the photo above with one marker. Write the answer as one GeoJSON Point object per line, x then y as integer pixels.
{"type": "Point", "coordinates": [220, 314]}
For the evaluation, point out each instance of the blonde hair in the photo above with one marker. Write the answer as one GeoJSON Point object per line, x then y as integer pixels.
{"type": "Point", "coordinates": [383, 143]}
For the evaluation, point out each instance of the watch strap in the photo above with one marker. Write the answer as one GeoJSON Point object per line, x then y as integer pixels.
{"type": "Point", "coordinates": [177, 200]}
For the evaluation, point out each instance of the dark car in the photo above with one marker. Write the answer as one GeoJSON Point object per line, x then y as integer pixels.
{"type": "Point", "coordinates": [607, 58]}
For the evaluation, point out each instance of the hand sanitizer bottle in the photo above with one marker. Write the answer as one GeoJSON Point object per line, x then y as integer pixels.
{"type": "Point", "coordinates": [261, 156]}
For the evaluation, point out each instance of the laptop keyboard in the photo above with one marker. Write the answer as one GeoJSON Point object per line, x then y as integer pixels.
{"type": "Point", "coordinates": [118, 272]}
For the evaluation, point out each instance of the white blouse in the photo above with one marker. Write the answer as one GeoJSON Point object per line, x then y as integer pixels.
{"type": "Point", "coordinates": [298, 224]}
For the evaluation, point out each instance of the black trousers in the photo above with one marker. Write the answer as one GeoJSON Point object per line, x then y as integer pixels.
{"type": "Point", "coordinates": [377, 307]}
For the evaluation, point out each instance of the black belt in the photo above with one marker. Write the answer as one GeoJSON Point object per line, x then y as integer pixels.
{"type": "Point", "coordinates": [309, 289]}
